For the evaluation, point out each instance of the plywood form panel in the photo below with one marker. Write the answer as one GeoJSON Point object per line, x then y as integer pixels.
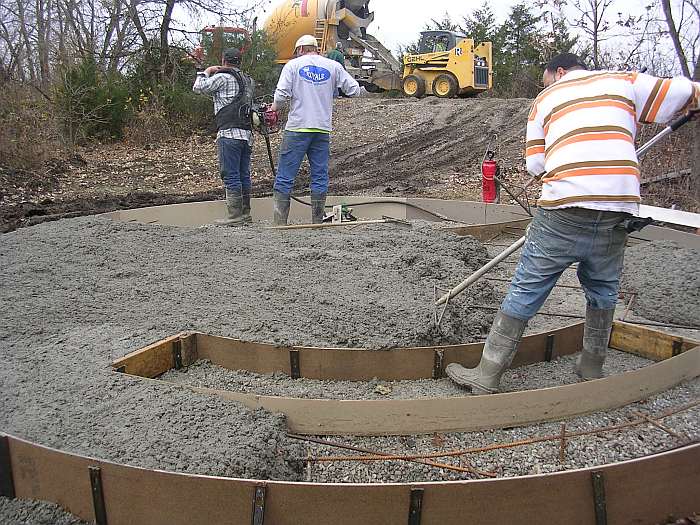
{"type": "Point", "coordinates": [486, 232]}
{"type": "Point", "coordinates": [648, 343]}
{"type": "Point", "coordinates": [46, 474]}
{"type": "Point", "coordinates": [345, 364]}
{"type": "Point", "coordinates": [644, 490]}
{"type": "Point", "coordinates": [456, 414]}
{"type": "Point", "coordinates": [151, 361]}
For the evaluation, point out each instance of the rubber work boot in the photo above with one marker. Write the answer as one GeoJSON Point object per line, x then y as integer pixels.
{"type": "Point", "coordinates": [596, 336]}
{"type": "Point", "coordinates": [318, 207]}
{"type": "Point", "coordinates": [246, 206]}
{"type": "Point", "coordinates": [281, 208]}
{"type": "Point", "coordinates": [499, 350]}
{"type": "Point", "coordinates": [234, 204]}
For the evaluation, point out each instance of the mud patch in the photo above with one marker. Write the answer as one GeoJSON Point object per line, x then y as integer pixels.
{"type": "Point", "coordinates": [28, 213]}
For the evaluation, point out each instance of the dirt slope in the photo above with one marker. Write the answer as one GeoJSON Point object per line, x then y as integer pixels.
{"type": "Point", "coordinates": [426, 146]}
{"type": "Point", "coordinates": [380, 146]}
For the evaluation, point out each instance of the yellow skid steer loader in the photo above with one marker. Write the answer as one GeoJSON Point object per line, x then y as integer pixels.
{"type": "Point", "coordinates": [447, 65]}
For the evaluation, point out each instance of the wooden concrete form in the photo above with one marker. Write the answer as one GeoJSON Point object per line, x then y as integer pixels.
{"type": "Point", "coordinates": [645, 490]}
{"type": "Point", "coordinates": [199, 213]}
{"type": "Point", "coordinates": [679, 361]}
{"type": "Point", "coordinates": [486, 232]}
{"type": "Point", "coordinates": [470, 213]}
{"type": "Point", "coordinates": [341, 364]}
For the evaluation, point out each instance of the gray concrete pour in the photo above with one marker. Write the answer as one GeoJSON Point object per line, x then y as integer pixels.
{"type": "Point", "coordinates": [666, 277]}
{"type": "Point", "coordinates": [28, 512]}
{"type": "Point", "coordinates": [77, 294]}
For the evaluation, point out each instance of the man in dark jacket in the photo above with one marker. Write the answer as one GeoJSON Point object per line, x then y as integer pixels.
{"type": "Point", "coordinates": [232, 92]}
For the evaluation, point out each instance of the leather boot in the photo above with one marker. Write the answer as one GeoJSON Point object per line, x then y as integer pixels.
{"type": "Point", "coordinates": [246, 206]}
{"type": "Point", "coordinates": [318, 207]}
{"type": "Point", "coordinates": [281, 208]}
{"type": "Point", "coordinates": [234, 205]}
{"type": "Point", "coordinates": [596, 336]}
{"type": "Point", "coordinates": [499, 350]}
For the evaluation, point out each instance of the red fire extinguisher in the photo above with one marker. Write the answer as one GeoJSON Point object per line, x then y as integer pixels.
{"type": "Point", "coordinates": [489, 173]}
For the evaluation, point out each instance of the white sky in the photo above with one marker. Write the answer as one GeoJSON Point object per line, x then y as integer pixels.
{"type": "Point", "coordinates": [399, 22]}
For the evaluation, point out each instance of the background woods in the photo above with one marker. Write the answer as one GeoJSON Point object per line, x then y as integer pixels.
{"type": "Point", "coordinates": [77, 72]}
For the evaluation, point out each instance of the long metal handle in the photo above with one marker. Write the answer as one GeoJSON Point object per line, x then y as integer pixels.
{"type": "Point", "coordinates": [673, 126]}
{"type": "Point", "coordinates": [485, 269]}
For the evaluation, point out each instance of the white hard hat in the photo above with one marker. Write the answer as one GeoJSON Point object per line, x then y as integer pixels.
{"type": "Point", "coordinates": [306, 40]}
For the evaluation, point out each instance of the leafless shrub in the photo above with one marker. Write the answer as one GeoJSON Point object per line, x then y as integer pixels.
{"type": "Point", "coordinates": [28, 132]}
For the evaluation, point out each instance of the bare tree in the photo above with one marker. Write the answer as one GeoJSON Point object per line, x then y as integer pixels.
{"type": "Point", "coordinates": [591, 20]}
{"type": "Point", "coordinates": [675, 37]}
{"type": "Point", "coordinates": [681, 53]}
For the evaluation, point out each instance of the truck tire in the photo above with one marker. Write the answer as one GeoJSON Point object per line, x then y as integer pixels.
{"type": "Point", "coordinates": [445, 86]}
{"type": "Point", "coordinates": [413, 86]}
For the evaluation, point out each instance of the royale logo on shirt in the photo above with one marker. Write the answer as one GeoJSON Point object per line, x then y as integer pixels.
{"type": "Point", "coordinates": [315, 74]}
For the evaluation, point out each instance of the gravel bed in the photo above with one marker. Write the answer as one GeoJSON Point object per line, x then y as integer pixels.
{"type": "Point", "coordinates": [581, 452]}
{"type": "Point", "coordinates": [542, 375]}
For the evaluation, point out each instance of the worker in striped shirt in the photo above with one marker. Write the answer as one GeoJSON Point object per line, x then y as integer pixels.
{"type": "Point", "coordinates": [580, 140]}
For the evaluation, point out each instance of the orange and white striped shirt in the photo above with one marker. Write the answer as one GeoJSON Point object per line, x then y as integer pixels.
{"type": "Point", "coordinates": [581, 133]}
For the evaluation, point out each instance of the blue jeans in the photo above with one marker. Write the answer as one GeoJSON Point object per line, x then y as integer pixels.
{"type": "Point", "coordinates": [316, 146]}
{"type": "Point", "coordinates": [555, 240]}
{"type": "Point", "coordinates": [234, 163]}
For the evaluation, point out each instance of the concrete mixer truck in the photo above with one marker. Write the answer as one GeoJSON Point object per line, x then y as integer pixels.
{"type": "Point", "coordinates": [447, 65]}
{"type": "Point", "coordinates": [332, 22]}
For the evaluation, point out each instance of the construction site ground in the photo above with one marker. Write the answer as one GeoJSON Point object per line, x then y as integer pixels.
{"type": "Point", "coordinates": [80, 292]}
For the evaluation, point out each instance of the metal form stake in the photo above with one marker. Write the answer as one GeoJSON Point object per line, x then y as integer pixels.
{"type": "Point", "coordinates": [549, 348]}
{"type": "Point", "coordinates": [98, 498]}
{"type": "Point", "coordinates": [7, 484]}
{"type": "Point", "coordinates": [294, 365]}
{"type": "Point", "coordinates": [416, 506]}
{"type": "Point", "coordinates": [259, 505]}
{"type": "Point", "coordinates": [438, 358]}
{"type": "Point", "coordinates": [177, 354]}
{"type": "Point", "coordinates": [600, 506]}
{"type": "Point", "coordinates": [677, 348]}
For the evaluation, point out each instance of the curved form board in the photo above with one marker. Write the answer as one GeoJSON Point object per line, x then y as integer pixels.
{"type": "Point", "coordinates": [486, 220]}
{"type": "Point", "coordinates": [645, 490]}
{"type": "Point", "coordinates": [679, 361]}
{"type": "Point", "coordinates": [341, 364]}
{"type": "Point", "coordinates": [470, 413]}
